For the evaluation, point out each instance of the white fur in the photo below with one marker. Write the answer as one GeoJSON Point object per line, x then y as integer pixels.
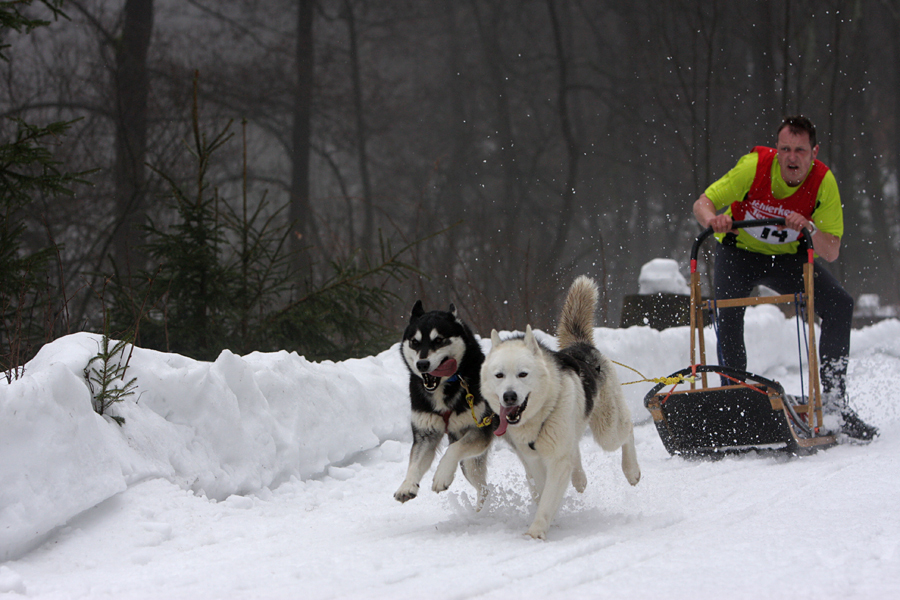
{"type": "Point", "coordinates": [553, 422]}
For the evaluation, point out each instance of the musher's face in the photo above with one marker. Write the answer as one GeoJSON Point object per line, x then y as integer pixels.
{"type": "Point", "coordinates": [795, 156]}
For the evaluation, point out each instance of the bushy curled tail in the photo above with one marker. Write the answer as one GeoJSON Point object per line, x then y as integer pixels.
{"type": "Point", "coordinates": [576, 322]}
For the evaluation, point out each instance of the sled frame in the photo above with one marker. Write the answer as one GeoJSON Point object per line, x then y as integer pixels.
{"type": "Point", "coordinates": [777, 419]}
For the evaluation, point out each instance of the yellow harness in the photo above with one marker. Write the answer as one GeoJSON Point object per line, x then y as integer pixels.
{"type": "Point", "coordinates": [471, 400]}
{"type": "Point", "coordinates": [674, 380]}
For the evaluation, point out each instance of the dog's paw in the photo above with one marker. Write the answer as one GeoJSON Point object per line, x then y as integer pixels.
{"type": "Point", "coordinates": [407, 491]}
{"type": "Point", "coordinates": [443, 477]}
{"type": "Point", "coordinates": [482, 496]}
{"type": "Point", "coordinates": [633, 476]}
{"type": "Point", "coordinates": [579, 480]}
{"type": "Point", "coordinates": [539, 528]}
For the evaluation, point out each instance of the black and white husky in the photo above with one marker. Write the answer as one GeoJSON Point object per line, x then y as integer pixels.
{"type": "Point", "coordinates": [444, 361]}
{"type": "Point", "coordinates": [545, 400]}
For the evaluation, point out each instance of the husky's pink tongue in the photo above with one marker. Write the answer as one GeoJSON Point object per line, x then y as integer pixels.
{"type": "Point", "coordinates": [501, 429]}
{"type": "Point", "coordinates": [446, 369]}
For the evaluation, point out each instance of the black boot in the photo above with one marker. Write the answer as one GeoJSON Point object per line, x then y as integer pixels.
{"type": "Point", "coordinates": [836, 403]}
{"type": "Point", "coordinates": [856, 428]}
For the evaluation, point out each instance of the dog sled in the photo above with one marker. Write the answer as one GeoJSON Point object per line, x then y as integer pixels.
{"type": "Point", "coordinates": [744, 411]}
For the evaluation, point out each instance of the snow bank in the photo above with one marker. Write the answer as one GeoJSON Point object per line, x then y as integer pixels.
{"type": "Point", "coordinates": [228, 427]}
{"type": "Point", "coordinates": [57, 457]}
{"type": "Point", "coordinates": [662, 276]}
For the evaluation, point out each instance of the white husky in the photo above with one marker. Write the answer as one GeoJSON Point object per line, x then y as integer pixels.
{"type": "Point", "coordinates": [546, 399]}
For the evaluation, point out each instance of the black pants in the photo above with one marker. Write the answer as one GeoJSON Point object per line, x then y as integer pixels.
{"type": "Point", "coordinates": [738, 271]}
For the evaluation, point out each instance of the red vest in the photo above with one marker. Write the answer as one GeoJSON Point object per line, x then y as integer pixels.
{"type": "Point", "coordinates": [759, 203]}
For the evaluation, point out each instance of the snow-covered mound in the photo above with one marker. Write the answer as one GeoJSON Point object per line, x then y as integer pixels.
{"type": "Point", "coordinates": [662, 276]}
{"type": "Point", "coordinates": [232, 426]}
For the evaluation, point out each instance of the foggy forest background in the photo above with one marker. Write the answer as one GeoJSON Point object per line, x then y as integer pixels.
{"type": "Point", "coordinates": [480, 152]}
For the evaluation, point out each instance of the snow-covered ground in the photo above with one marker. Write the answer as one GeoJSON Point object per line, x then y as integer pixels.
{"type": "Point", "coordinates": [268, 476]}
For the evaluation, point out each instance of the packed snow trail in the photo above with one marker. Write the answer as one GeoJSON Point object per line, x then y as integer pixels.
{"type": "Point", "coordinates": [824, 526]}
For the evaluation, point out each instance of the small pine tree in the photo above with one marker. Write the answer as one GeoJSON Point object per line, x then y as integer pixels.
{"type": "Point", "coordinates": [107, 381]}
{"type": "Point", "coordinates": [225, 280]}
{"type": "Point", "coordinates": [13, 18]}
{"type": "Point", "coordinates": [339, 318]}
{"type": "Point", "coordinates": [194, 283]}
{"type": "Point", "coordinates": [27, 170]}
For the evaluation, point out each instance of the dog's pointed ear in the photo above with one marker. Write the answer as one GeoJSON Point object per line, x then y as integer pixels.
{"type": "Point", "coordinates": [417, 311]}
{"type": "Point", "coordinates": [495, 338]}
{"type": "Point", "coordinates": [530, 341]}
{"type": "Point", "coordinates": [453, 310]}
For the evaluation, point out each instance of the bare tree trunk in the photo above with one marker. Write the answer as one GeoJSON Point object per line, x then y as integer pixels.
{"type": "Point", "coordinates": [786, 59]}
{"type": "Point", "coordinates": [368, 230]}
{"type": "Point", "coordinates": [894, 165]}
{"type": "Point", "coordinates": [300, 212]}
{"type": "Point", "coordinates": [764, 73]}
{"type": "Point", "coordinates": [132, 88]}
{"type": "Point", "coordinates": [453, 193]}
{"type": "Point", "coordinates": [512, 197]}
{"type": "Point", "coordinates": [563, 226]}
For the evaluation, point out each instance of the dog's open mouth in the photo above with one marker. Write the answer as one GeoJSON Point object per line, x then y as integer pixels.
{"type": "Point", "coordinates": [510, 415]}
{"type": "Point", "coordinates": [446, 369]}
{"type": "Point", "coordinates": [430, 382]}
{"type": "Point", "coordinates": [513, 414]}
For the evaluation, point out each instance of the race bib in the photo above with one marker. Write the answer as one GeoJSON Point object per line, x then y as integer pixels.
{"type": "Point", "coordinates": [769, 233]}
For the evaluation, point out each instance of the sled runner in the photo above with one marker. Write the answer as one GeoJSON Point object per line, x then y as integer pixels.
{"type": "Point", "coordinates": [750, 412]}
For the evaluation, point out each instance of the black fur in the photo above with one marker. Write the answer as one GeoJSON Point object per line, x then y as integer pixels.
{"type": "Point", "coordinates": [469, 368]}
{"type": "Point", "coordinates": [583, 359]}
{"type": "Point", "coordinates": [445, 397]}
